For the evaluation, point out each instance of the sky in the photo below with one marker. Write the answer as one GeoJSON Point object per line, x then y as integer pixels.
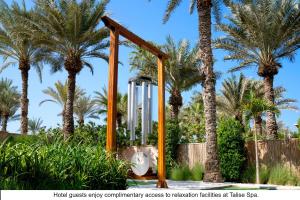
{"type": "Point", "coordinates": [144, 18]}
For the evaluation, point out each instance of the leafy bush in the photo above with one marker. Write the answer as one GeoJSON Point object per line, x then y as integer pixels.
{"type": "Point", "coordinates": [172, 140]}
{"type": "Point", "coordinates": [248, 175]}
{"type": "Point", "coordinates": [231, 149]}
{"type": "Point", "coordinates": [280, 175]}
{"type": "Point", "coordinates": [59, 165]}
{"type": "Point", "coordinates": [264, 175]}
{"type": "Point", "coordinates": [197, 172]}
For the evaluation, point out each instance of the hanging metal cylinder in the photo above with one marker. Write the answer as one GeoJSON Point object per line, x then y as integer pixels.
{"type": "Point", "coordinates": [145, 85]}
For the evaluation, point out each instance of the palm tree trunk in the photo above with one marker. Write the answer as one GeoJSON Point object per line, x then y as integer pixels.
{"type": "Point", "coordinates": [256, 151]}
{"type": "Point", "coordinates": [212, 166]}
{"type": "Point", "coordinates": [24, 101]}
{"type": "Point", "coordinates": [271, 118]}
{"type": "Point", "coordinates": [258, 125]}
{"type": "Point", "coordinates": [175, 102]}
{"type": "Point", "coordinates": [81, 121]}
{"type": "Point", "coordinates": [69, 119]}
{"type": "Point", "coordinates": [119, 120]}
{"type": "Point", "coordinates": [4, 123]}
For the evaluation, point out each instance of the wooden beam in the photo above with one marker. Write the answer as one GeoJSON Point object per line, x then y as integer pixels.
{"type": "Point", "coordinates": [112, 91]}
{"type": "Point", "coordinates": [133, 37]}
{"type": "Point", "coordinates": [161, 126]}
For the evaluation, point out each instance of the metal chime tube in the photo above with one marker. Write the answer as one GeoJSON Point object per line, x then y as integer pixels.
{"type": "Point", "coordinates": [129, 107]}
{"type": "Point", "coordinates": [149, 108]}
{"type": "Point", "coordinates": [136, 110]}
{"type": "Point", "coordinates": [133, 111]}
{"type": "Point", "coordinates": [144, 113]}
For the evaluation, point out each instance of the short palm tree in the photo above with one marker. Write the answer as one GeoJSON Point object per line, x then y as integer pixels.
{"type": "Point", "coordinates": [17, 45]}
{"type": "Point", "coordinates": [73, 36]}
{"type": "Point", "coordinates": [181, 69]}
{"type": "Point", "coordinates": [233, 95]}
{"type": "Point", "coordinates": [101, 102]}
{"type": "Point", "coordinates": [58, 95]}
{"type": "Point", "coordinates": [261, 34]}
{"type": "Point", "coordinates": [254, 108]}
{"type": "Point", "coordinates": [9, 102]}
{"type": "Point", "coordinates": [280, 101]}
{"type": "Point", "coordinates": [35, 125]}
{"type": "Point", "coordinates": [85, 107]}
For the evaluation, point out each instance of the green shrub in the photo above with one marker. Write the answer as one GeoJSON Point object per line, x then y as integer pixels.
{"type": "Point", "coordinates": [197, 172]}
{"type": "Point", "coordinates": [280, 175]}
{"type": "Point", "coordinates": [59, 165]}
{"type": "Point", "coordinates": [181, 173]}
{"type": "Point", "coordinates": [264, 175]}
{"type": "Point", "coordinates": [248, 175]}
{"type": "Point", "coordinates": [231, 149]}
{"type": "Point", "coordinates": [172, 140]}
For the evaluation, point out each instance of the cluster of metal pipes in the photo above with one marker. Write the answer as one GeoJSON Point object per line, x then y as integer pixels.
{"type": "Point", "coordinates": [145, 83]}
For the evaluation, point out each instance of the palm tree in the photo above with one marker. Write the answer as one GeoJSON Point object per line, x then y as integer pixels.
{"type": "Point", "coordinates": [9, 102]}
{"type": "Point", "coordinates": [101, 102]}
{"type": "Point", "coordinates": [254, 108]}
{"type": "Point", "coordinates": [204, 9]}
{"type": "Point", "coordinates": [261, 33]}
{"type": "Point", "coordinates": [233, 95]}
{"type": "Point", "coordinates": [18, 46]}
{"type": "Point", "coordinates": [280, 102]}
{"type": "Point", "coordinates": [85, 107]}
{"type": "Point", "coordinates": [73, 36]}
{"type": "Point", "coordinates": [181, 69]}
{"type": "Point", "coordinates": [35, 125]}
{"type": "Point", "coordinates": [58, 95]}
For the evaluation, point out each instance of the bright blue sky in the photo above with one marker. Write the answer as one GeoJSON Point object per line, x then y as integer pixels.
{"type": "Point", "coordinates": [144, 19]}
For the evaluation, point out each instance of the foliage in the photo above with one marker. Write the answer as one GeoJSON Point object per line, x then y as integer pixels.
{"type": "Point", "coordinates": [58, 94]}
{"type": "Point", "coordinates": [35, 125]}
{"type": "Point", "coordinates": [9, 102]}
{"type": "Point", "coordinates": [85, 107]}
{"type": "Point", "coordinates": [101, 100]}
{"type": "Point", "coordinates": [172, 140]}
{"type": "Point", "coordinates": [260, 33]}
{"type": "Point", "coordinates": [183, 172]}
{"type": "Point", "coordinates": [192, 121]}
{"type": "Point", "coordinates": [197, 172]}
{"type": "Point", "coordinates": [59, 165]}
{"type": "Point", "coordinates": [280, 175]}
{"type": "Point", "coordinates": [231, 148]}
{"type": "Point", "coordinates": [17, 44]}
{"type": "Point", "coordinates": [180, 69]}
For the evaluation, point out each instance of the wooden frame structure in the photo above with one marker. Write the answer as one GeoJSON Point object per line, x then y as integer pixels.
{"type": "Point", "coordinates": [115, 31]}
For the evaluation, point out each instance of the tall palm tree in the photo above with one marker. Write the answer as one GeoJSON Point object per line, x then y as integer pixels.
{"type": "Point", "coordinates": [85, 107]}
{"type": "Point", "coordinates": [101, 101]}
{"type": "Point", "coordinates": [35, 125]}
{"type": "Point", "coordinates": [9, 102]}
{"type": "Point", "coordinates": [73, 36]}
{"type": "Point", "coordinates": [17, 45]}
{"type": "Point", "coordinates": [181, 69]}
{"type": "Point", "coordinates": [261, 33]}
{"type": "Point", "coordinates": [204, 9]}
{"type": "Point", "coordinates": [58, 95]}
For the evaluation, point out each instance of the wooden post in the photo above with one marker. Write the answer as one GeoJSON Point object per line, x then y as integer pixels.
{"type": "Point", "coordinates": [161, 126]}
{"type": "Point", "coordinates": [112, 91]}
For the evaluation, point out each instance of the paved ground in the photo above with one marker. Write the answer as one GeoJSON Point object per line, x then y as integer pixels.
{"type": "Point", "coordinates": [199, 185]}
